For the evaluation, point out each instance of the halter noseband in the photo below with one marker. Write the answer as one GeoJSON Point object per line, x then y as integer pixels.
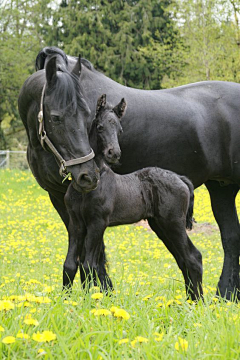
{"type": "Point", "coordinates": [45, 139]}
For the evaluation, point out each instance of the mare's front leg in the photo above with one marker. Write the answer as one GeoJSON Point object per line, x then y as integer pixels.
{"type": "Point", "coordinates": [224, 210]}
{"type": "Point", "coordinates": [76, 237]}
{"type": "Point", "coordinates": [58, 202]}
{"type": "Point", "coordinates": [94, 263]}
{"type": "Point", "coordinates": [188, 257]}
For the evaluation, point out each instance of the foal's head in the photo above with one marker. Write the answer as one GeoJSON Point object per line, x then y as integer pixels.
{"type": "Point", "coordinates": [109, 128]}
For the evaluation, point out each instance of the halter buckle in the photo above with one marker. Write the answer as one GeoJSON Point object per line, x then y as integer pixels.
{"type": "Point", "coordinates": [62, 169]}
{"type": "Point", "coordinates": [40, 116]}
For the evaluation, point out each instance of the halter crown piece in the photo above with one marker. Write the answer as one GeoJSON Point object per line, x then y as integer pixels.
{"type": "Point", "coordinates": [45, 139]}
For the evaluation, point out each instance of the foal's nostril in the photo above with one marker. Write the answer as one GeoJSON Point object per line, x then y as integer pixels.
{"type": "Point", "coordinates": [110, 152]}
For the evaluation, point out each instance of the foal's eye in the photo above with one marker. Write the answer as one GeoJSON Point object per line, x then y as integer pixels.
{"type": "Point", "coordinates": [100, 128]}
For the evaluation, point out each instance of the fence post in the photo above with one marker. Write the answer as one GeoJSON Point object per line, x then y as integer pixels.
{"type": "Point", "coordinates": [7, 159]}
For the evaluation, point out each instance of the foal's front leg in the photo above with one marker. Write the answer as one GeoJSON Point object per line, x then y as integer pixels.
{"type": "Point", "coordinates": [94, 262]}
{"type": "Point", "coordinates": [76, 233]}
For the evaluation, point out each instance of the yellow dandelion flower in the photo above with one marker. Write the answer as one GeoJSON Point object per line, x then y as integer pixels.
{"type": "Point", "coordinates": [197, 324]}
{"type": "Point", "coordinates": [181, 344]}
{"type": "Point", "coordinates": [48, 289]}
{"type": "Point", "coordinates": [147, 297]}
{"type": "Point", "coordinates": [102, 312]}
{"type": "Point", "coordinates": [70, 302]}
{"type": "Point", "coordinates": [22, 336]}
{"type": "Point", "coordinates": [123, 341]}
{"type": "Point", "coordinates": [1, 329]}
{"type": "Point", "coordinates": [178, 302]}
{"type": "Point", "coordinates": [97, 296]}
{"type": "Point", "coordinates": [139, 339]}
{"type": "Point", "coordinates": [42, 300]}
{"type": "Point", "coordinates": [6, 305]}
{"type": "Point", "coordinates": [178, 297]}
{"type": "Point", "coordinates": [158, 336]}
{"type": "Point", "coordinates": [44, 336]}
{"type": "Point", "coordinates": [169, 302]}
{"type": "Point", "coordinates": [121, 313]}
{"type": "Point", "coordinates": [31, 321]}
{"type": "Point", "coordinates": [27, 304]}
{"type": "Point", "coordinates": [8, 340]}
{"type": "Point", "coordinates": [160, 298]}
{"type": "Point", "coordinates": [41, 352]}
{"type": "Point", "coordinates": [113, 309]}
{"type": "Point", "coordinates": [19, 305]}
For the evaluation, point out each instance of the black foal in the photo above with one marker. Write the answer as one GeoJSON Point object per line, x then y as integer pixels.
{"type": "Point", "coordinates": [162, 197]}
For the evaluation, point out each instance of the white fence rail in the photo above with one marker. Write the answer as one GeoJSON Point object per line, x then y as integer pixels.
{"type": "Point", "coordinates": [13, 160]}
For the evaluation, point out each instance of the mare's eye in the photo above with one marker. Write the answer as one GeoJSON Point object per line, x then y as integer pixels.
{"type": "Point", "coordinates": [100, 128]}
{"type": "Point", "coordinates": [55, 119]}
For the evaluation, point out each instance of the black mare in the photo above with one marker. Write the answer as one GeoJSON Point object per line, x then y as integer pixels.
{"type": "Point", "coordinates": [193, 130]}
{"type": "Point", "coordinates": [160, 196]}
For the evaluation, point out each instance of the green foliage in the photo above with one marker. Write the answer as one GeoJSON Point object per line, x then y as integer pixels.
{"type": "Point", "coordinates": [20, 41]}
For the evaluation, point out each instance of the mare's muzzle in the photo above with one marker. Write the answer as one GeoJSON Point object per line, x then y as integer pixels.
{"type": "Point", "coordinates": [85, 177]}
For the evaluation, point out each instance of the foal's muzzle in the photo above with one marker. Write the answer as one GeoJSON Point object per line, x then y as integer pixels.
{"type": "Point", "coordinates": [111, 155]}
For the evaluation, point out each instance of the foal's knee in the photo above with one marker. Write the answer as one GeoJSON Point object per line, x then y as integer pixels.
{"type": "Point", "coordinates": [70, 267]}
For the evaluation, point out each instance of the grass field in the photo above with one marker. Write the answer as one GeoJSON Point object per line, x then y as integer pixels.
{"type": "Point", "coordinates": [147, 317]}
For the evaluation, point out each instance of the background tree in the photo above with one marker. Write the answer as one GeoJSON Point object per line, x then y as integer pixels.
{"type": "Point", "coordinates": [146, 44]}
{"type": "Point", "coordinates": [210, 30]}
{"type": "Point", "coordinates": [110, 34]}
{"type": "Point", "coordinates": [20, 39]}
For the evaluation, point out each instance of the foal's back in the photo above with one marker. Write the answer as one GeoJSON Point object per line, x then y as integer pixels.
{"type": "Point", "coordinates": [126, 199]}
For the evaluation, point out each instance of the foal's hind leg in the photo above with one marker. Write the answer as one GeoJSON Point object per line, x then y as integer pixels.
{"type": "Point", "coordinates": [188, 258]}
{"type": "Point", "coordinates": [224, 210]}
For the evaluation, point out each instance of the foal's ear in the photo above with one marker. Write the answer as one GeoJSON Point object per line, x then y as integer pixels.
{"type": "Point", "coordinates": [101, 103]}
{"type": "Point", "coordinates": [78, 67]}
{"type": "Point", "coordinates": [120, 108]}
{"type": "Point", "coordinates": [51, 70]}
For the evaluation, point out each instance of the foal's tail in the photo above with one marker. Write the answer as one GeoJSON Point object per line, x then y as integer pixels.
{"type": "Point", "coordinates": [189, 218]}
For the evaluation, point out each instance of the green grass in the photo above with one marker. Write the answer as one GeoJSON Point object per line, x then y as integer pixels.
{"type": "Point", "coordinates": [148, 286]}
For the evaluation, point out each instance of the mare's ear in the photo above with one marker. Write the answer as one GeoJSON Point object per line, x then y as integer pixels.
{"type": "Point", "coordinates": [51, 70]}
{"type": "Point", "coordinates": [101, 103]}
{"type": "Point", "coordinates": [120, 108]}
{"type": "Point", "coordinates": [78, 67]}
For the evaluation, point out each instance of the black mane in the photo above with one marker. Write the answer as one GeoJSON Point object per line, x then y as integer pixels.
{"type": "Point", "coordinates": [67, 89]}
{"type": "Point", "coordinates": [50, 51]}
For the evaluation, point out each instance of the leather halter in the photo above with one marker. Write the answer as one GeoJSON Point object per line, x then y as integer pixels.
{"type": "Point", "coordinates": [45, 139]}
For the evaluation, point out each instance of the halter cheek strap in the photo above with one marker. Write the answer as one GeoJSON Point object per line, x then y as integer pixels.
{"type": "Point", "coordinates": [45, 139]}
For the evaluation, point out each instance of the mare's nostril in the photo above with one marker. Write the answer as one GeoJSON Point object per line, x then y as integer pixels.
{"type": "Point", "coordinates": [84, 178]}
